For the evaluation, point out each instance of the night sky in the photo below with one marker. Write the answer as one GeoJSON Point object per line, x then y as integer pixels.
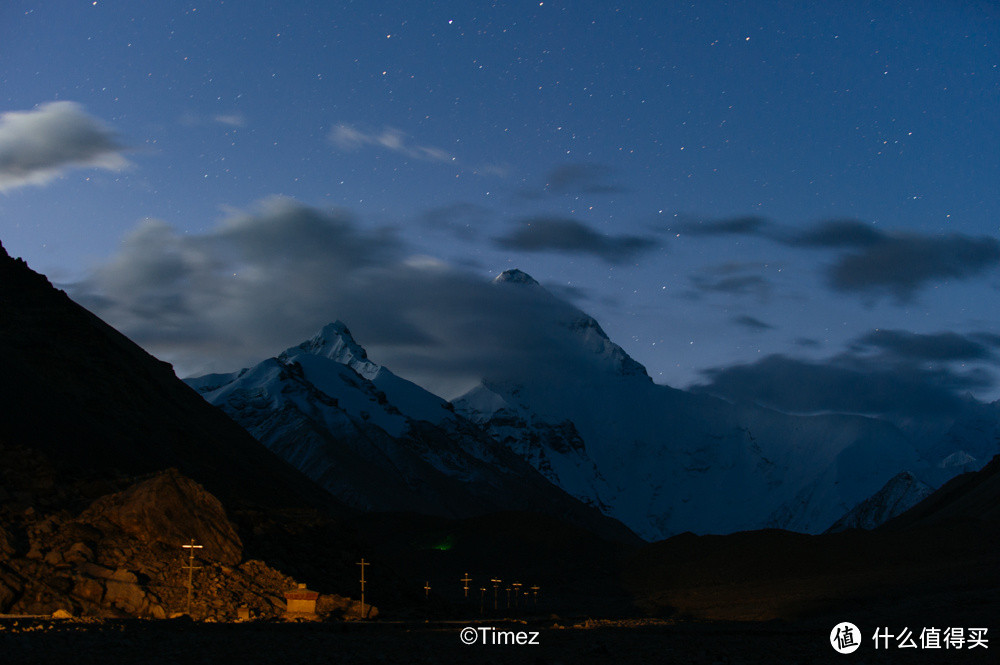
{"type": "Point", "coordinates": [747, 196]}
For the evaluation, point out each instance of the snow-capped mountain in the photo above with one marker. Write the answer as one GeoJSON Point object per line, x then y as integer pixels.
{"type": "Point", "coordinates": [901, 493]}
{"type": "Point", "coordinates": [379, 442]}
{"type": "Point", "coordinates": [665, 461]}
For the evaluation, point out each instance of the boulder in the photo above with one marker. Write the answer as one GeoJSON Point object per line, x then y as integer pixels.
{"type": "Point", "coordinates": [173, 510]}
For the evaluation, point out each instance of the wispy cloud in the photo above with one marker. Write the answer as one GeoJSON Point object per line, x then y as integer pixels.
{"type": "Point", "coordinates": [231, 119]}
{"type": "Point", "coordinates": [348, 137]}
{"type": "Point", "coordinates": [937, 347]}
{"type": "Point", "coordinates": [752, 323]}
{"type": "Point", "coordinates": [39, 145]}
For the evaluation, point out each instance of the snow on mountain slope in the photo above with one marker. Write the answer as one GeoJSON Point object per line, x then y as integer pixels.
{"type": "Point", "coordinates": [666, 461]}
{"type": "Point", "coordinates": [379, 442]}
{"type": "Point", "coordinates": [901, 493]}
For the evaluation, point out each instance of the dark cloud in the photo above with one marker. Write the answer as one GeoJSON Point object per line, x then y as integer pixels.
{"type": "Point", "coordinates": [38, 145]}
{"type": "Point", "coordinates": [265, 280]}
{"type": "Point", "coordinates": [989, 339]}
{"type": "Point", "coordinates": [844, 385]}
{"type": "Point", "coordinates": [575, 178]}
{"type": "Point", "coordinates": [732, 278]}
{"type": "Point", "coordinates": [581, 179]}
{"type": "Point", "coordinates": [872, 262]}
{"type": "Point", "coordinates": [752, 323]}
{"type": "Point", "coordinates": [939, 347]}
{"type": "Point", "coordinates": [900, 265]}
{"type": "Point", "coordinates": [836, 234]}
{"type": "Point", "coordinates": [726, 227]}
{"type": "Point", "coordinates": [561, 234]}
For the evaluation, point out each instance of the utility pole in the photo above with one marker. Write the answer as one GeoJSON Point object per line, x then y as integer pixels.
{"type": "Point", "coordinates": [363, 564]}
{"type": "Point", "coordinates": [534, 590]}
{"type": "Point", "coordinates": [427, 590]}
{"type": "Point", "coordinates": [190, 568]}
{"type": "Point", "coordinates": [465, 580]}
{"type": "Point", "coordinates": [517, 591]}
{"type": "Point", "coordinates": [482, 599]}
{"type": "Point", "coordinates": [496, 589]}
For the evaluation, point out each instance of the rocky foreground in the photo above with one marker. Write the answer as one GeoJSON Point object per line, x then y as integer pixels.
{"type": "Point", "coordinates": [123, 555]}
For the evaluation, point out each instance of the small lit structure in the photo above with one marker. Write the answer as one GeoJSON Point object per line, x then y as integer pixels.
{"type": "Point", "coordinates": [300, 603]}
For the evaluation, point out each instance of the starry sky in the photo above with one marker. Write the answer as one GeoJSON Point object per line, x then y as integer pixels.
{"type": "Point", "coordinates": [749, 197]}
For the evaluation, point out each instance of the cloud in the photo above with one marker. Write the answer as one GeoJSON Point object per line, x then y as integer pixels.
{"type": "Point", "coordinates": [939, 347]}
{"type": "Point", "coordinates": [733, 278]}
{"type": "Point", "coordinates": [836, 234]}
{"type": "Point", "coordinates": [231, 119]}
{"type": "Point", "coordinates": [752, 323]}
{"type": "Point", "coordinates": [263, 280]}
{"type": "Point", "coordinates": [38, 145]}
{"type": "Point", "coordinates": [884, 372]}
{"type": "Point", "coordinates": [845, 384]}
{"type": "Point", "coordinates": [871, 262]}
{"type": "Point", "coordinates": [899, 265]}
{"type": "Point", "coordinates": [575, 178]}
{"type": "Point", "coordinates": [726, 227]}
{"type": "Point", "coordinates": [348, 138]}
{"type": "Point", "coordinates": [561, 234]}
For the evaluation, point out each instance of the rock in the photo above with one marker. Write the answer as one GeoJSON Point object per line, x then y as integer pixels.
{"type": "Point", "coordinates": [79, 552]}
{"type": "Point", "coordinates": [89, 590]}
{"type": "Point", "coordinates": [173, 510]}
{"type": "Point", "coordinates": [122, 575]}
{"type": "Point", "coordinates": [6, 547]}
{"type": "Point", "coordinates": [61, 614]}
{"type": "Point", "coordinates": [9, 591]}
{"type": "Point", "coordinates": [130, 598]}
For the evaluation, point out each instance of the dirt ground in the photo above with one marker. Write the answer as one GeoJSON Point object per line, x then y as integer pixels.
{"type": "Point", "coordinates": [27, 642]}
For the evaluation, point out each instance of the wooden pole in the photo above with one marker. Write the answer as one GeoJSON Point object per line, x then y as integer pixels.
{"type": "Point", "coordinates": [190, 568]}
{"type": "Point", "coordinates": [363, 564]}
{"type": "Point", "coordinates": [496, 590]}
{"type": "Point", "coordinates": [465, 580]}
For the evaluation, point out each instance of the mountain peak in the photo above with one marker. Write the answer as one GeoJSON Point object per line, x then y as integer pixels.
{"type": "Point", "coordinates": [335, 342]}
{"type": "Point", "coordinates": [515, 276]}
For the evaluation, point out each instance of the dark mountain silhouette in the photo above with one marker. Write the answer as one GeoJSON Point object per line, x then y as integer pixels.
{"type": "Point", "coordinates": [938, 561]}
{"type": "Point", "coordinates": [97, 406]}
